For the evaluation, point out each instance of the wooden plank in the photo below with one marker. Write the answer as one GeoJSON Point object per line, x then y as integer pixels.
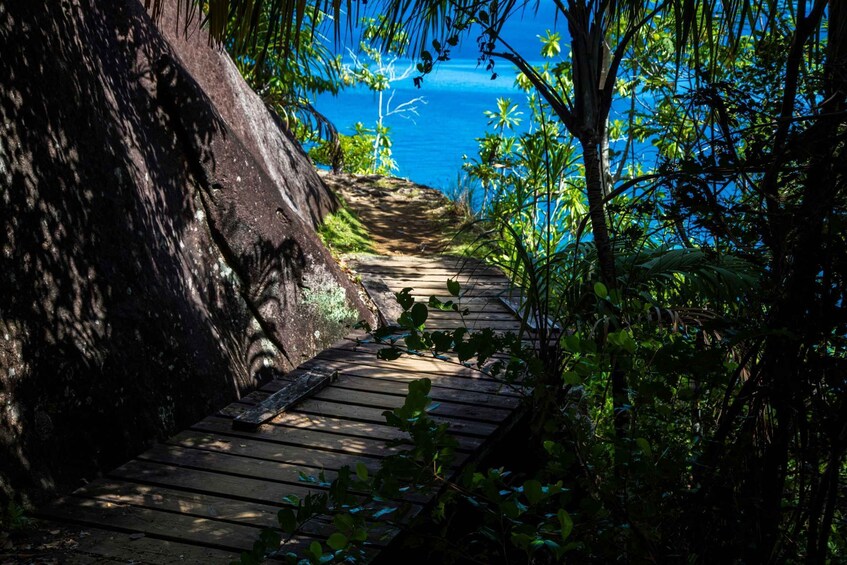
{"type": "Point", "coordinates": [388, 308]}
{"type": "Point", "coordinates": [473, 325]}
{"type": "Point", "coordinates": [205, 505]}
{"type": "Point", "coordinates": [370, 414]}
{"type": "Point", "coordinates": [451, 261]}
{"type": "Point", "coordinates": [477, 288]}
{"type": "Point", "coordinates": [305, 385]}
{"type": "Point", "coordinates": [209, 482]}
{"type": "Point", "coordinates": [437, 393]}
{"type": "Point", "coordinates": [365, 354]}
{"type": "Point", "coordinates": [469, 394]}
{"type": "Point", "coordinates": [304, 438]}
{"type": "Point", "coordinates": [354, 428]}
{"type": "Point", "coordinates": [308, 458]}
{"type": "Point", "coordinates": [346, 427]}
{"type": "Point", "coordinates": [434, 274]}
{"type": "Point", "coordinates": [376, 369]}
{"type": "Point", "coordinates": [444, 409]}
{"type": "Point", "coordinates": [155, 523]}
{"type": "Point", "coordinates": [96, 546]}
{"type": "Point", "coordinates": [277, 471]}
{"type": "Point", "coordinates": [167, 499]}
{"type": "Point", "coordinates": [492, 316]}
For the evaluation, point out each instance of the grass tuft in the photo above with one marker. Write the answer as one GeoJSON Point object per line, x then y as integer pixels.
{"type": "Point", "coordinates": [343, 232]}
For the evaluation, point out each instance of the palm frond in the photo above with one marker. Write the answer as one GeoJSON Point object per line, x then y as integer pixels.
{"type": "Point", "coordinates": [716, 277]}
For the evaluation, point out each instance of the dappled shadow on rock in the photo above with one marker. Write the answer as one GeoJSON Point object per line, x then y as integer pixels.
{"type": "Point", "coordinates": [141, 242]}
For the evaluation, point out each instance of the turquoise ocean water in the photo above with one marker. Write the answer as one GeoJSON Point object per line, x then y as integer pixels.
{"type": "Point", "coordinates": [428, 147]}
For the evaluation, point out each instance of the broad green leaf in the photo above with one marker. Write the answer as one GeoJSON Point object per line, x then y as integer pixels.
{"type": "Point", "coordinates": [571, 378]}
{"type": "Point", "coordinates": [337, 541]}
{"type": "Point", "coordinates": [533, 491]}
{"type": "Point", "coordinates": [600, 290]}
{"type": "Point", "coordinates": [405, 298]}
{"type": "Point", "coordinates": [644, 446]}
{"type": "Point", "coordinates": [388, 354]}
{"type": "Point", "coordinates": [361, 471]}
{"type": "Point", "coordinates": [565, 522]}
{"type": "Point", "coordinates": [271, 539]}
{"type": "Point", "coordinates": [419, 314]}
{"type": "Point", "coordinates": [287, 520]}
{"type": "Point", "coordinates": [453, 287]}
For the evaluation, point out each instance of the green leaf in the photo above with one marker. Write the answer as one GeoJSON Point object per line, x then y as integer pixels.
{"type": "Point", "coordinates": [388, 354]}
{"type": "Point", "coordinates": [565, 522]}
{"type": "Point", "coordinates": [533, 491]}
{"type": "Point", "coordinates": [344, 522]}
{"type": "Point", "coordinates": [405, 298]}
{"type": "Point", "coordinates": [420, 386]}
{"type": "Point", "coordinates": [291, 499]}
{"type": "Point", "coordinates": [571, 378]}
{"type": "Point", "coordinates": [361, 471]}
{"type": "Point", "coordinates": [600, 290]}
{"type": "Point", "coordinates": [316, 550]}
{"type": "Point", "coordinates": [287, 520]}
{"type": "Point", "coordinates": [419, 314]}
{"type": "Point", "coordinates": [453, 287]}
{"type": "Point", "coordinates": [644, 446]}
{"type": "Point", "coordinates": [337, 541]}
{"type": "Point", "coordinates": [271, 539]}
{"type": "Point", "coordinates": [247, 558]}
{"type": "Point", "coordinates": [521, 540]}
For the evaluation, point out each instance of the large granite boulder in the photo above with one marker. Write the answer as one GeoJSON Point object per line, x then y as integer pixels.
{"type": "Point", "coordinates": [157, 247]}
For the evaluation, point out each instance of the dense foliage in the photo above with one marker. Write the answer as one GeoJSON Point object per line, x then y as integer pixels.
{"type": "Point", "coordinates": [688, 388]}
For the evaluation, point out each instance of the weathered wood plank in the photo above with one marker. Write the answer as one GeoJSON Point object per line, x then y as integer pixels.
{"type": "Point", "coordinates": [155, 523]}
{"type": "Point", "coordinates": [209, 482]}
{"type": "Point", "coordinates": [388, 308]}
{"type": "Point", "coordinates": [266, 448]}
{"type": "Point", "coordinates": [305, 438]}
{"type": "Point", "coordinates": [472, 380]}
{"type": "Point", "coordinates": [96, 546]}
{"type": "Point", "coordinates": [173, 500]}
{"type": "Point", "coordinates": [437, 393]}
{"type": "Point", "coordinates": [370, 414]}
{"type": "Point", "coordinates": [204, 505]}
{"type": "Point", "coordinates": [371, 383]}
{"type": "Point", "coordinates": [304, 385]}
{"type": "Point", "coordinates": [354, 428]}
{"type": "Point", "coordinates": [263, 469]}
{"type": "Point", "coordinates": [445, 409]}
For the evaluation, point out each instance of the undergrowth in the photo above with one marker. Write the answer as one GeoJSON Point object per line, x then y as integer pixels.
{"type": "Point", "coordinates": [343, 232]}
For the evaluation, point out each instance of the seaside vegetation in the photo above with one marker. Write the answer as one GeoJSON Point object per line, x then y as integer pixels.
{"type": "Point", "coordinates": [343, 232]}
{"type": "Point", "coordinates": [687, 394]}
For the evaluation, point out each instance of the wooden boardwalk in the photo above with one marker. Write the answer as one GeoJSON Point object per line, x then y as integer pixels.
{"type": "Point", "coordinates": [204, 495]}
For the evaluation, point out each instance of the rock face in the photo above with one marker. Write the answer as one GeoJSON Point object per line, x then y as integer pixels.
{"type": "Point", "coordinates": [156, 238]}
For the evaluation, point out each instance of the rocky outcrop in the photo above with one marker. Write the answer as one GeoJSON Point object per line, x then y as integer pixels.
{"type": "Point", "coordinates": [156, 238]}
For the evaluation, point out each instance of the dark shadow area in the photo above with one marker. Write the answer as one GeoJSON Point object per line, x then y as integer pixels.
{"type": "Point", "coordinates": [123, 316]}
